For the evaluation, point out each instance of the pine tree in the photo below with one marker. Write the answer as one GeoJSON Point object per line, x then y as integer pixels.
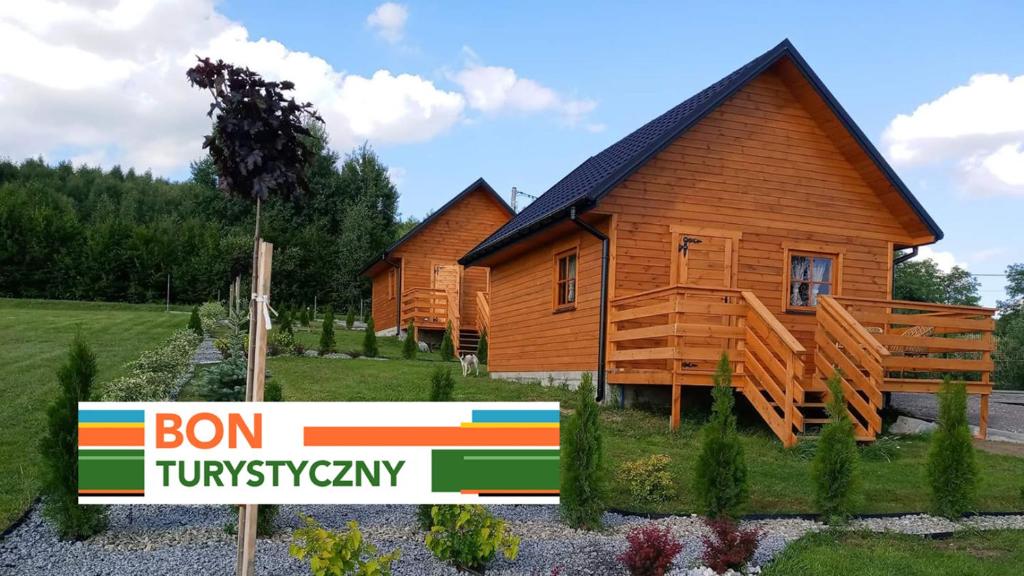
{"type": "Point", "coordinates": [481, 348]}
{"type": "Point", "coordinates": [952, 469]}
{"type": "Point", "coordinates": [370, 341]}
{"type": "Point", "coordinates": [194, 323]}
{"type": "Point", "coordinates": [582, 493]}
{"type": "Point", "coordinates": [410, 347]}
{"type": "Point", "coordinates": [60, 449]}
{"type": "Point", "coordinates": [327, 333]}
{"type": "Point", "coordinates": [447, 348]}
{"type": "Point", "coordinates": [720, 476]}
{"type": "Point", "coordinates": [350, 319]}
{"type": "Point", "coordinates": [835, 461]}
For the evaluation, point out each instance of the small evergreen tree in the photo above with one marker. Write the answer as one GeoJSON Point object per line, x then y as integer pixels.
{"type": "Point", "coordinates": [285, 322]}
{"type": "Point", "coordinates": [304, 317]}
{"type": "Point", "coordinates": [952, 469]}
{"type": "Point", "coordinates": [410, 347]}
{"type": "Point", "coordinates": [447, 348]}
{"type": "Point", "coordinates": [194, 323]}
{"type": "Point", "coordinates": [442, 387]}
{"type": "Point", "coordinates": [720, 476]}
{"type": "Point", "coordinates": [835, 462]}
{"type": "Point", "coordinates": [481, 348]}
{"type": "Point", "coordinates": [582, 493]}
{"type": "Point", "coordinates": [60, 449]}
{"type": "Point", "coordinates": [327, 343]}
{"type": "Point", "coordinates": [350, 319]}
{"type": "Point", "coordinates": [370, 341]}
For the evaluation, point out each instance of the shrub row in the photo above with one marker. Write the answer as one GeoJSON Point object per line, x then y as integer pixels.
{"type": "Point", "coordinates": [153, 376]}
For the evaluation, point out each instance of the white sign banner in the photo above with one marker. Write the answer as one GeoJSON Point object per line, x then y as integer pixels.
{"type": "Point", "coordinates": [318, 452]}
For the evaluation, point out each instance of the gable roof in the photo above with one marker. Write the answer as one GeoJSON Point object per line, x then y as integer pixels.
{"type": "Point", "coordinates": [479, 183]}
{"type": "Point", "coordinates": [590, 181]}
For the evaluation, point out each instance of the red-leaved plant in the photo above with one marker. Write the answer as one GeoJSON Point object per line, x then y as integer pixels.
{"type": "Point", "coordinates": [651, 550]}
{"type": "Point", "coordinates": [728, 547]}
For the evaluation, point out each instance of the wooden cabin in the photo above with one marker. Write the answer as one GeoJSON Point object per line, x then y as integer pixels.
{"type": "Point", "coordinates": [418, 278]}
{"type": "Point", "coordinates": [754, 218]}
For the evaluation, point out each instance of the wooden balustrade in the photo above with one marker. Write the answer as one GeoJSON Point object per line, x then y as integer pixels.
{"type": "Point", "coordinates": [483, 313]}
{"type": "Point", "coordinates": [845, 345]}
{"type": "Point", "coordinates": [454, 319]}
{"type": "Point", "coordinates": [426, 307]}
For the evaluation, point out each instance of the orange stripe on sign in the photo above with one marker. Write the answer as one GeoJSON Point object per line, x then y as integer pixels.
{"type": "Point", "coordinates": [428, 436]}
{"type": "Point", "coordinates": [111, 437]}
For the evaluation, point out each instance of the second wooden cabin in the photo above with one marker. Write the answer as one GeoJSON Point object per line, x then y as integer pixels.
{"type": "Point", "coordinates": [754, 218]}
{"type": "Point", "coordinates": [419, 279]}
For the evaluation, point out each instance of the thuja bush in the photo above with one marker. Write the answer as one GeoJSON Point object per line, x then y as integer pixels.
{"type": "Point", "coordinates": [211, 314]}
{"type": "Point", "coordinates": [728, 547]}
{"type": "Point", "coordinates": [370, 349]}
{"type": "Point", "coordinates": [835, 461]}
{"type": "Point", "coordinates": [341, 553]}
{"type": "Point", "coordinates": [447, 348]}
{"type": "Point", "coordinates": [469, 537]}
{"type": "Point", "coordinates": [442, 387]}
{"type": "Point", "coordinates": [304, 317]}
{"type": "Point", "coordinates": [651, 550]}
{"type": "Point", "coordinates": [409, 346]}
{"type": "Point", "coordinates": [952, 469]}
{"type": "Point", "coordinates": [481, 348]}
{"type": "Point", "coordinates": [720, 476]}
{"type": "Point", "coordinates": [194, 323]}
{"type": "Point", "coordinates": [327, 343]}
{"type": "Point", "coordinates": [155, 373]}
{"type": "Point", "coordinates": [59, 448]}
{"type": "Point", "coordinates": [350, 319]}
{"type": "Point", "coordinates": [582, 492]}
{"type": "Point", "coordinates": [648, 480]}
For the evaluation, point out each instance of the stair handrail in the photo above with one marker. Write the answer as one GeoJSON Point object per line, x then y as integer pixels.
{"type": "Point", "coordinates": [483, 312]}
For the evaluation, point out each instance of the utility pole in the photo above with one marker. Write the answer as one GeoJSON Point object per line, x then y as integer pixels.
{"type": "Point", "coordinates": [516, 193]}
{"type": "Point", "coordinates": [168, 307]}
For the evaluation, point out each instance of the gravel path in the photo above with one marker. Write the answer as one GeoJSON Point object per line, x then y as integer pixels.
{"type": "Point", "coordinates": [1005, 410]}
{"type": "Point", "coordinates": [207, 353]}
{"type": "Point", "coordinates": [160, 540]}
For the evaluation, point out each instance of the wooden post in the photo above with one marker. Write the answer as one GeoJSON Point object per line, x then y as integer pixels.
{"type": "Point", "coordinates": [983, 418]}
{"type": "Point", "coordinates": [675, 365]}
{"type": "Point", "coordinates": [247, 514]}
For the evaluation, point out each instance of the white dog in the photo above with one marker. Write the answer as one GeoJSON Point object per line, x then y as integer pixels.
{"type": "Point", "coordinates": [470, 362]}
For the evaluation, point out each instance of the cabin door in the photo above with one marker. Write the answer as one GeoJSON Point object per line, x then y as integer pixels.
{"type": "Point", "coordinates": [704, 257]}
{"type": "Point", "coordinates": [447, 277]}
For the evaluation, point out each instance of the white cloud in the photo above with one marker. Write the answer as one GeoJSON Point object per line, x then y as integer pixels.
{"type": "Point", "coordinates": [978, 128]}
{"type": "Point", "coordinates": [945, 260]}
{"type": "Point", "coordinates": [493, 89]}
{"type": "Point", "coordinates": [388, 20]}
{"type": "Point", "coordinates": [104, 82]}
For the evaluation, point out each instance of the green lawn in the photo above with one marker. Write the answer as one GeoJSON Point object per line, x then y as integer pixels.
{"type": "Point", "coordinates": [36, 336]}
{"type": "Point", "coordinates": [863, 554]}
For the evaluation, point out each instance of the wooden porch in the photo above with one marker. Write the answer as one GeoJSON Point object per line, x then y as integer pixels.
{"type": "Point", "coordinates": [434, 308]}
{"type": "Point", "coordinates": [675, 335]}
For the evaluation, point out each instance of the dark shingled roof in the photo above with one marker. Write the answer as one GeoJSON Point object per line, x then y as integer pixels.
{"type": "Point", "coordinates": [599, 174]}
{"type": "Point", "coordinates": [478, 183]}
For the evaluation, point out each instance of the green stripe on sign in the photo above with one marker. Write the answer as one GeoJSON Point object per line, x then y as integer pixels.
{"type": "Point", "coordinates": [455, 470]}
{"type": "Point", "coordinates": [111, 472]}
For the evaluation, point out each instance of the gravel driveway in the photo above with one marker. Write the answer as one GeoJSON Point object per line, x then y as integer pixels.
{"type": "Point", "coordinates": [1005, 409]}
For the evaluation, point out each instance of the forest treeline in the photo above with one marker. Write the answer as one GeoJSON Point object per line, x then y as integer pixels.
{"type": "Point", "coordinates": [88, 234]}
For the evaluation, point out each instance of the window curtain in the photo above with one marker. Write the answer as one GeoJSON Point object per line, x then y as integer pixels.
{"type": "Point", "coordinates": [800, 265]}
{"type": "Point", "coordinates": [570, 287]}
{"type": "Point", "coordinates": [822, 268]}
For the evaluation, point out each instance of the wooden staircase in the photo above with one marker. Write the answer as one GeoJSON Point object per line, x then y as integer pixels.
{"type": "Point", "coordinates": [469, 340]}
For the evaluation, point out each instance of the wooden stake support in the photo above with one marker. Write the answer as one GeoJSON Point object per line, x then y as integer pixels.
{"type": "Point", "coordinates": [259, 306]}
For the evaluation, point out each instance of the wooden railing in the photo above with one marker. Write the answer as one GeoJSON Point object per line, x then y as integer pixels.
{"type": "Point", "coordinates": [454, 319]}
{"type": "Point", "coordinates": [426, 307]}
{"type": "Point", "coordinates": [773, 363]}
{"type": "Point", "coordinates": [845, 345]}
{"type": "Point", "coordinates": [483, 313]}
{"type": "Point", "coordinates": [676, 335]}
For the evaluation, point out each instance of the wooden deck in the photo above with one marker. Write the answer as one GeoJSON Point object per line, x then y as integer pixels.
{"type": "Point", "coordinates": [675, 335]}
{"type": "Point", "coordinates": [434, 308]}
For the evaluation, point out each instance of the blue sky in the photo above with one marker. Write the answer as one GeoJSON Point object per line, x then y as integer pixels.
{"type": "Point", "coordinates": [593, 72]}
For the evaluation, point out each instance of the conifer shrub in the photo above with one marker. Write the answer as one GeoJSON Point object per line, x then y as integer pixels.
{"type": "Point", "coordinates": [447, 348]}
{"type": "Point", "coordinates": [194, 323]}
{"type": "Point", "coordinates": [341, 553]}
{"type": "Point", "coordinates": [952, 469]}
{"type": "Point", "coordinates": [728, 547]}
{"type": "Point", "coordinates": [720, 475]}
{"type": "Point", "coordinates": [370, 349]}
{"type": "Point", "coordinates": [582, 492]}
{"type": "Point", "coordinates": [211, 314]}
{"type": "Point", "coordinates": [469, 537]}
{"type": "Point", "coordinates": [442, 385]}
{"type": "Point", "coordinates": [650, 551]}
{"type": "Point", "coordinates": [59, 449]}
{"type": "Point", "coordinates": [350, 319]}
{"type": "Point", "coordinates": [304, 317]}
{"type": "Point", "coordinates": [481, 348]}
{"type": "Point", "coordinates": [285, 322]}
{"type": "Point", "coordinates": [327, 343]}
{"type": "Point", "coordinates": [835, 462]}
{"type": "Point", "coordinates": [409, 346]}
{"type": "Point", "coordinates": [648, 480]}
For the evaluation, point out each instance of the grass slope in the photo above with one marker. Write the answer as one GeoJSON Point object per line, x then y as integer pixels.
{"type": "Point", "coordinates": [863, 554]}
{"type": "Point", "coordinates": [36, 336]}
